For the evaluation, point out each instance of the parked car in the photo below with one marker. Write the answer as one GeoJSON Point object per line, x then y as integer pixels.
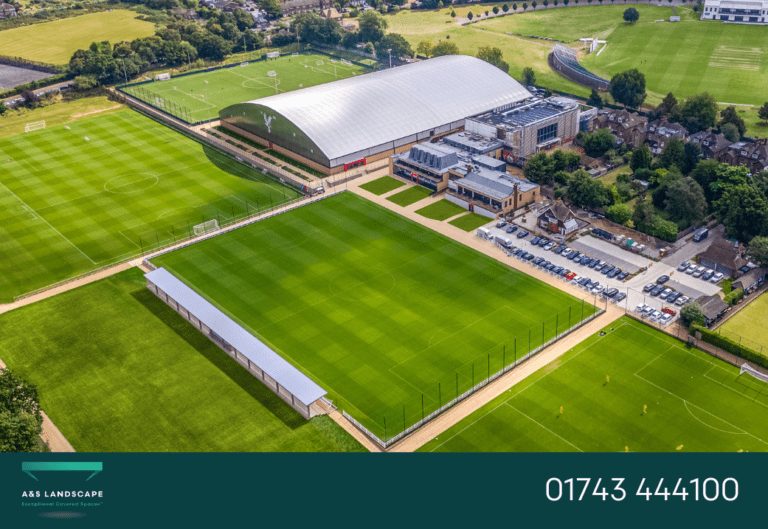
{"type": "Point", "coordinates": [529, 257]}
{"type": "Point", "coordinates": [536, 240]}
{"type": "Point", "coordinates": [707, 275]}
{"type": "Point", "coordinates": [622, 275]}
{"type": "Point", "coordinates": [597, 289]}
{"type": "Point", "coordinates": [683, 266]}
{"type": "Point", "coordinates": [716, 278]}
{"type": "Point", "coordinates": [538, 260]}
{"type": "Point", "coordinates": [658, 289]}
{"type": "Point", "coordinates": [640, 307]}
{"type": "Point", "coordinates": [558, 269]}
{"type": "Point", "coordinates": [607, 269]}
{"type": "Point", "coordinates": [668, 311]}
{"type": "Point", "coordinates": [571, 275]}
{"type": "Point", "coordinates": [501, 224]}
{"type": "Point", "coordinates": [567, 252]}
{"type": "Point", "coordinates": [664, 293]}
{"type": "Point", "coordinates": [699, 271]}
{"type": "Point", "coordinates": [665, 318]}
{"type": "Point", "coordinates": [512, 229]}
{"type": "Point", "coordinates": [691, 269]}
{"type": "Point", "coordinates": [549, 246]}
{"type": "Point", "coordinates": [672, 297]}
{"type": "Point", "coordinates": [559, 249]}
{"type": "Point", "coordinates": [649, 287]}
{"type": "Point", "coordinates": [662, 280]}
{"type": "Point", "coordinates": [610, 292]}
{"type": "Point", "coordinates": [543, 241]}
{"type": "Point", "coordinates": [682, 300]}
{"type": "Point", "coordinates": [655, 315]}
{"type": "Point", "coordinates": [648, 311]}
{"type": "Point", "coordinates": [599, 266]}
{"type": "Point", "coordinates": [565, 272]}
{"type": "Point", "coordinates": [573, 255]}
{"type": "Point", "coordinates": [620, 296]}
{"type": "Point", "coordinates": [615, 272]}
{"type": "Point", "coordinates": [522, 233]}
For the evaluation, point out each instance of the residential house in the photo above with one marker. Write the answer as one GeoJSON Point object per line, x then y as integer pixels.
{"type": "Point", "coordinates": [186, 14]}
{"type": "Point", "coordinates": [713, 146]}
{"type": "Point", "coordinates": [752, 155]}
{"type": "Point", "coordinates": [722, 256]}
{"type": "Point", "coordinates": [659, 132]}
{"type": "Point", "coordinates": [713, 308]}
{"type": "Point", "coordinates": [751, 280]}
{"type": "Point", "coordinates": [558, 218]}
{"type": "Point", "coordinates": [628, 127]}
{"type": "Point", "coordinates": [332, 14]}
{"type": "Point", "coordinates": [7, 11]}
{"type": "Point", "coordinates": [294, 7]}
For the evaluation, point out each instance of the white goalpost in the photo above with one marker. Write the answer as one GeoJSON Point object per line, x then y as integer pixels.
{"type": "Point", "coordinates": [345, 61]}
{"type": "Point", "coordinates": [35, 125]}
{"type": "Point", "coordinates": [206, 227]}
{"type": "Point", "coordinates": [319, 62]}
{"type": "Point", "coordinates": [746, 368]}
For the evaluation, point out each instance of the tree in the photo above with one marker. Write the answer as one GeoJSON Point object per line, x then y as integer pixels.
{"type": "Point", "coordinates": [758, 249]}
{"type": "Point", "coordinates": [396, 43]}
{"type": "Point", "coordinates": [692, 156]}
{"type": "Point", "coordinates": [528, 76]}
{"type": "Point", "coordinates": [706, 173]}
{"type": "Point", "coordinates": [743, 211]}
{"type": "Point", "coordinates": [514, 6]}
{"type": "Point", "coordinates": [425, 48]}
{"type": "Point", "coordinates": [534, 4]}
{"type": "Point", "coordinates": [272, 8]}
{"type": "Point", "coordinates": [691, 313]}
{"type": "Point", "coordinates": [698, 112]}
{"type": "Point", "coordinates": [505, 8]}
{"type": "Point", "coordinates": [731, 132]}
{"type": "Point", "coordinates": [565, 160]}
{"type": "Point", "coordinates": [3, 108]}
{"type": "Point", "coordinates": [20, 418]}
{"type": "Point", "coordinates": [495, 10]}
{"type": "Point", "coordinates": [371, 26]}
{"type": "Point", "coordinates": [525, 6]}
{"type": "Point", "coordinates": [539, 169]}
{"type": "Point", "coordinates": [470, 16]}
{"type": "Point", "coordinates": [595, 100]}
{"type": "Point", "coordinates": [619, 213]}
{"type": "Point", "coordinates": [762, 113]}
{"type": "Point", "coordinates": [729, 115]}
{"type": "Point", "coordinates": [628, 88]}
{"type": "Point", "coordinates": [369, 48]}
{"type": "Point", "coordinates": [83, 83]}
{"type": "Point", "coordinates": [667, 105]}
{"type": "Point", "coordinates": [586, 192]}
{"type": "Point", "coordinates": [453, 14]}
{"type": "Point", "coordinates": [493, 56]}
{"type": "Point", "coordinates": [631, 15]}
{"type": "Point", "coordinates": [29, 98]}
{"type": "Point", "coordinates": [445, 48]}
{"type": "Point", "coordinates": [685, 201]}
{"type": "Point", "coordinates": [597, 143]}
{"type": "Point", "coordinates": [642, 158]}
{"type": "Point", "coordinates": [673, 154]}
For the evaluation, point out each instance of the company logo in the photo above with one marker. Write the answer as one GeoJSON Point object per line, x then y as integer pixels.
{"type": "Point", "coordinates": [268, 122]}
{"type": "Point", "coordinates": [70, 466]}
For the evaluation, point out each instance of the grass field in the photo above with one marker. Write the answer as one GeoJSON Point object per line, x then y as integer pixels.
{"type": "Point", "coordinates": [695, 402]}
{"type": "Point", "coordinates": [749, 323]}
{"type": "Point", "coordinates": [441, 210]}
{"type": "Point", "coordinates": [470, 222]}
{"type": "Point", "coordinates": [729, 61]}
{"type": "Point", "coordinates": [410, 196]}
{"type": "Point", "coordinates": [55, 42]}
{"type": "Point", "coordinates": [14, 121]}
{"type": "Point", "coordinates": [377, 309]}
{"type": "Point", "coordinates": [142, 379]}
{"type": "Point", "coordinates": [382, 185]}
{"type": "Point", "coordinates": [200, 96]}
{"type": "Point", "coordinates": [68, 205]}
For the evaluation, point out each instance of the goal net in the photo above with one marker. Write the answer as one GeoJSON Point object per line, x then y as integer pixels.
{"type": "Point", "coordinates": [345, 61]}
{"type": "Point", "coordinates": [754, 372]}
{"type": "Point", "coordinates": [206, 227]}
{"type": "Point", "coordinates": [243, 64]}
{"type": "Point", "coordinates": [272, 73]}
{"type": "Point", "coordinates": [319, 63]}
{"type": "Point", "coordinates": [35, 125]}
{"type": "Point", "coordinates": [294, 54]}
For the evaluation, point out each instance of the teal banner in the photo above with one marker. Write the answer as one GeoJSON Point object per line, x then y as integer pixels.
{"type": "Point", "coordinates": [61, 466]}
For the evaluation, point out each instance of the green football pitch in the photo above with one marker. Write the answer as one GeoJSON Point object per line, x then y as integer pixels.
{"type": "Point", "coordinates": [382, 312]}
{"type": "Point", "coordinates": [117, 370]}
{"type": "Point", "coordinates": [76, 198]}
{"type": "Point", "coordinates": [200, 96]}
{"type": "Point", "coordinates": [695, 402]}
{"type": "Point", "coordinates": [730, 61]}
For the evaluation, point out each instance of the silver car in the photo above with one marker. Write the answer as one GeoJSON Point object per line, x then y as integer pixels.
{"type": "Point", "coordinates": [691, 269]}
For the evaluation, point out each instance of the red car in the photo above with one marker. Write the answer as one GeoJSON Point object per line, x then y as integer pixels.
{"type": "Point", "coordinates": [570, 275]}
{"type": "Point", "coordinates": [668, 311]}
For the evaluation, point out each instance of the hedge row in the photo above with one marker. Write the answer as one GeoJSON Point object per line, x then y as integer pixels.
{"type": "Point", "coordinates": [731, 346]}
{"type": "Point", "coordinates": [734, 296]}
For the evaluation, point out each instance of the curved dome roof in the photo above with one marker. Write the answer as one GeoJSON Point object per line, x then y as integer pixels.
{"type": "Point", "coordinates": [358, 113]}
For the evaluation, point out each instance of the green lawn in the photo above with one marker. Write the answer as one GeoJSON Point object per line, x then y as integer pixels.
{"type": "Point", "coordinates": [470, 221]}
{"type": "Point", "coordinates": [378, 310]}
{"type": "Point", "coordinates": [120, 371]}
{"type": "Point", "coordinates": [410, 196]}
{"type": "Point", "coordinates": [696, 403]}
{"type": "Point", "coordinates": [749, 323]}
{"type": "Point", "coordinates": [441, 210]}
{"type": "Point", "coordinates": [382, 185]}
{"type": "Point", "coordinates": [55, 42]}
{"type": "Point", "coordinates": [200, 96]}
{"type": "Point", "coordinates": [60, 113]}
{"type": "Point", "coordinates": [70, 204]}
{"type": "Point", "coordinates": [728, 61]}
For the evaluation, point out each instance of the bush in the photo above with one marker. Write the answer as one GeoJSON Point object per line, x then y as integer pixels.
{"type": "Point", "coordinates": [734, 296]}
{"type": "Point", "coordinates": [691, 314]}
{"type": "Point", "coordinates": [731, 346]}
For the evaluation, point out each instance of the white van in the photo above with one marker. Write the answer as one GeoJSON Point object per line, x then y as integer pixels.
{"type": "Point", "coordinates": [484, 233]}
{"type": "Point", "coordinates": [504, 241]}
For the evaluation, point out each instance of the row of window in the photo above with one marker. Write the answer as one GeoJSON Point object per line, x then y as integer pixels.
{"type": "Point", "coordinates": [546, 133]}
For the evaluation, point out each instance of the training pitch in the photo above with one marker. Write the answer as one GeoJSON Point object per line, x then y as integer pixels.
{"type": "Point", "coordinates": [749, 324]}
{"type": "Point", "coordinates": [120, 371]}
{"type": "Point", "coordinates": [200, 96]}
{"type": "Point", "coordinates": [377, 309]}
{"type": "Point", "coordinates": [695, 402]}
{"type": "Point", "coordinates": [70, 204]}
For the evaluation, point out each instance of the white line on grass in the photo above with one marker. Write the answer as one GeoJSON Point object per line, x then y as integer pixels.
{"type": "Point", "coordinates": [547, 429]}
{"type": "Point", "coordinates": [685, 403]}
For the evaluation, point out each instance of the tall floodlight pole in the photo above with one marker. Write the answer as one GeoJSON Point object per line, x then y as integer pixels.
{"type": "Point", "coordinates": [390, 57]}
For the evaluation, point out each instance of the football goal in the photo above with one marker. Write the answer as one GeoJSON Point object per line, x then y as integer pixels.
{"type": "Point", "coordinates": [345, 61]}
{"type": "Point", "coordinates": [319, 62]}
{"type": "Point", "coordinates": [745, 368]}
{"type": "Point", "coordinates": [243, 64]}
{"type": "Point", "coordinates": [272, 73]}
{"type": "Point", "coordinates": [273, 55]}
{"type": "Point", "coordinates": [294, 54]}
{"type": "Point", "coordinates": [206, 227]}
{"type": "Point", "coordinates": [35, 125]}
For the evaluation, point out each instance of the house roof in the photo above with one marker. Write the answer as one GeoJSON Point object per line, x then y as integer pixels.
{"type": "Point", "coordinates": [724, 253]}
{"type": "Point", "coordinates": [712, 306]}
{"type": "Point", "coordinates": [749, 279]}
{"type": "Point", "coordinates": [560, 211]}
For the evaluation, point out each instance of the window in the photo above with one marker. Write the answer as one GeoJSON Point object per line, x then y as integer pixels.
{"type": "Point", "coordinates": [546, 133]}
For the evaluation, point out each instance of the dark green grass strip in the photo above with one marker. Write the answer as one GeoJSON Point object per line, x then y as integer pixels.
{"type": "Point", "coordinates": [382, 185]}
{"type": "Point", "coordinates": [695, 402]}
{"type": "Point", "coordinates": [120, 371]}
{"type": "Point", "coordinates": [375, 308]}
{"type": "Point", "coordinates": [441, 210]}
{"type": "Point", "coordinates": [410, 196]}
{"type": "Point", "coordinates": [470, 221]}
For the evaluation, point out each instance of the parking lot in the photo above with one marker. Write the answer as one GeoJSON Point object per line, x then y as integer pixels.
{"type": "Point", "coordinates": [610, 253]}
